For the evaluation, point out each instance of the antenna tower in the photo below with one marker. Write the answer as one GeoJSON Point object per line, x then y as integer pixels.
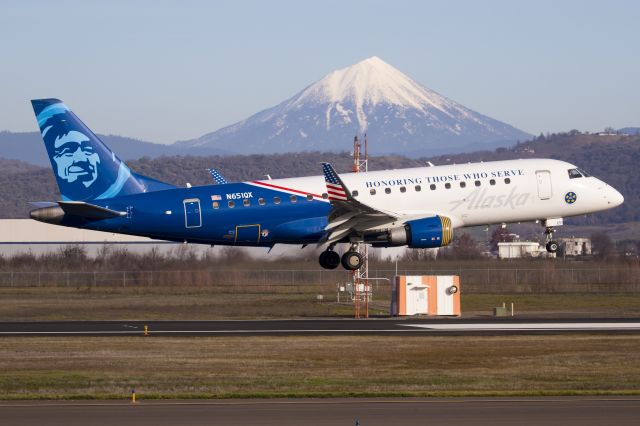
{"type": "Point", "coordinates": [360, 277]}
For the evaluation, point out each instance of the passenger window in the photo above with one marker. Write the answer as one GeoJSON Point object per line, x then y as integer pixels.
{"type": "Point", "coordinates": [403, 189]}
{"type": "Point", "coordinates": [507, 181]}
{"type": "Point", "coordinates": [231, 204]}
{"type": "Point", "coordinates": [387, 190]}
{"type": "Point", "coordinates": [325, 195]}
{"type": "Point", "coordinates": [372, 191]}
{"type": "Point", "coordinates": [261, 201]}
{"type": "Point", "coordinates": [418, 188]}
{"type": "Point", "coordinates": [447, 185]}
{"type": "Point", "coordinates": [309, 197]}
{"type": "Point", "coordinates": [276, 200]}
{"type": "Point", "coordinates": [432, 187]}
{"type": "Point", "coordinates": [354, 193]}
{"type": "Point", "coordinates": [492, 182]}
{"type": "Point", "coordinates": [574, 173]}
{"type": "Point", "coordinates": [463, 184]}
{"type": "Point", "coordinates": [215, 204]}
{"type": "Point", "coordinates": [477, 183]}
{"type": "Point", "coordinates": [293, 199]}
{"type": "Point", "coordinates": [246, 202]}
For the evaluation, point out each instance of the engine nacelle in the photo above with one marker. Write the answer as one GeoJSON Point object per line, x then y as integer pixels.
{"type": "Point", "coordinates": [423, 233]}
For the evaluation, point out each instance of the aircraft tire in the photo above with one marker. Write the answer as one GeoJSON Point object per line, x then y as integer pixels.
{"type": "Point", "coordinates": [329, 259]}
{"type": "Point", "coordinates": [352, 260]}
{"type": "Point", "coordinates": [552, 246]}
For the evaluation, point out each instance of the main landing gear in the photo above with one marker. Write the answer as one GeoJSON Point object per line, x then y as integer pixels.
{"type": "Point", "coordinates": [552, 246]}
{"type": "Point", "coordinates": [351, 260]}
{"type": "Point", "coordinates": [329, 259]}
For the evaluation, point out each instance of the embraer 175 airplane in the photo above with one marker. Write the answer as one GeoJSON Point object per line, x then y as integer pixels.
{"type": "Point", "coordinates": [416, 207]}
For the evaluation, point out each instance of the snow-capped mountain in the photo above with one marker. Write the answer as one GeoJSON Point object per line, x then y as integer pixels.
{"type": "Point", "coordinates": [398, 114]}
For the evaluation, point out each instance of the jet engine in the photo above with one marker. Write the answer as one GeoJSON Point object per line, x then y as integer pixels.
{"type": "Point", "coordinates": [430, 232]}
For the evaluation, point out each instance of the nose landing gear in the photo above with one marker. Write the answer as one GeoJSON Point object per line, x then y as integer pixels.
{"type": "Point", "coordinates": [552, 246]}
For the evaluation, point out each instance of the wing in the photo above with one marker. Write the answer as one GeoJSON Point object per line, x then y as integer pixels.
{"type": "Point", "coordinates": [349, 217]}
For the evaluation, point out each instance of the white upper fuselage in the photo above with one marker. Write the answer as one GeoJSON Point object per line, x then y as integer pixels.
{"type": "Point", "coordinates": [475, 193]}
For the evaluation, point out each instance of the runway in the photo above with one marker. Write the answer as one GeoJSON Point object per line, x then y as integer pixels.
{"type": "Point", "coordinates": [389, 326]}
{"type": "Point", "coordinates": [320, 412]}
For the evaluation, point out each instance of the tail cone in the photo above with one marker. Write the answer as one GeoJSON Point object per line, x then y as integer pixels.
{"type": "Point", "coordinates": [48, 214]}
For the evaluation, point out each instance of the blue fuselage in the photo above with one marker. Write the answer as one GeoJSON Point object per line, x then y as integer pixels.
{"type": "Point", "coordinates": [258, 216]}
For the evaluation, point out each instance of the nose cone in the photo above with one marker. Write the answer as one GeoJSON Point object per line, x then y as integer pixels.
{"type": "Point", "coordinates": [614, 198]}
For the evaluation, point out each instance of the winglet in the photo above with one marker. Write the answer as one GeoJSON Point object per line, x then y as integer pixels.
{"type": "Point", "coordinates": [336, 189]}
{"type": "Point", "coordinates": [217, 177]}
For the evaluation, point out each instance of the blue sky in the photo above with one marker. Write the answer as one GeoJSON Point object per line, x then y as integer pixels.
{"type": "Point", "coordinates": [172, 70]}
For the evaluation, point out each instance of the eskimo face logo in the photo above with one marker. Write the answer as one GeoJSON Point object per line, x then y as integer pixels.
{"type": "Point", "coordinates": [75, 158]}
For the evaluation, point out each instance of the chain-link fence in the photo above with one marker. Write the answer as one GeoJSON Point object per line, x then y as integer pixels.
{"type": "Point", "coordinates": [490, 280]}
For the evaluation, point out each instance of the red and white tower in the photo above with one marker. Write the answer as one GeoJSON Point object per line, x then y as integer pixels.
{"type": "Point", "coordinates": [360, 277]}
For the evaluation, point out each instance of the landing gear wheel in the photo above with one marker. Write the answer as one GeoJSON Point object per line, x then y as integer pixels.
{"type": "Point", "coordinates": [329, 259]}
{"type": "Point", "coordinates": [352, 260]}
{"type": "Point", "coordinates": [552, 246]}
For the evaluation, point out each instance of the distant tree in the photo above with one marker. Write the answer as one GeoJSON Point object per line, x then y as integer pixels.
{"type": "Point", "coordinates": [500, 235]}
{"type": "Point", "coordinates": [610, 130]}
{"type": "Point", "coordinates": [465, 247]}
{"type": "Point", "coordinates": [601, 245]}
{"type": "Point", "coordinates": [419, 255]}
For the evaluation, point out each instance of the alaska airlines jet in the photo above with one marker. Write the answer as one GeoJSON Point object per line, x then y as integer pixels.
{"type": "Point", "coordinates": [416, 207]}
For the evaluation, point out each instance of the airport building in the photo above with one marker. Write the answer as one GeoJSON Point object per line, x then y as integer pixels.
{"type": "Point", "coordinates": [575, 246]}
{"type": "Point", "coordinates": [30, 236]}
{"type": "Point", "coordinates": [520, 249]}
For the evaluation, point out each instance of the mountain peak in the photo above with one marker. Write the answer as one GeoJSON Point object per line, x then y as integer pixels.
{"type": "Point", "coordinates": [369, 83]}
{"type": "Point", "coordinates": [370, 96]}
{"type": "Point", "coordinates": [372, 62]}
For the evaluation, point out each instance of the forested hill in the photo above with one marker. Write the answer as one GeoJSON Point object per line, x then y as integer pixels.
{"type": "Point", "coordinates": [613, 158]}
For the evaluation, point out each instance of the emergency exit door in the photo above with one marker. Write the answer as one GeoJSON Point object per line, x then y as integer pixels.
{"type": "Point", "coordinates": [544, 184]}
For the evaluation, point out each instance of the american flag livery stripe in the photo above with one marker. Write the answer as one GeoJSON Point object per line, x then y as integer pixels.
{"type": "Point", "coordinates": [282, 188]}
{"type": "Point", "coordinates": [334, 188]}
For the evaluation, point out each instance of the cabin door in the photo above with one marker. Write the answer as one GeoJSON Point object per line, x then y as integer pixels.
{"type": "Point", "coordinates": [192, 213]}
{"type": "Point", "coordinates": [544, 184]}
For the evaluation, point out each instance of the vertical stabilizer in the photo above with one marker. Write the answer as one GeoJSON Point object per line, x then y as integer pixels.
{"type": "Point", "coordinates": [85, 168]}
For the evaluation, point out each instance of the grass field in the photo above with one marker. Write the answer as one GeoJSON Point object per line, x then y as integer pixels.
{"type": "Point", "coordinates": [193, 303]}
{"type": "Point", "coordinates": [321, 366]}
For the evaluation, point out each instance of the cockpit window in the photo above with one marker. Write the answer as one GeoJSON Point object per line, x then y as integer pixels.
{"type": "Point", "coordinates": [574, 173]}
{"type": "Point", "coordinates": [585, 174]}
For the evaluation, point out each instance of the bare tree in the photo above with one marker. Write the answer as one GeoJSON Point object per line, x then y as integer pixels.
{"type": "Point", "coordinates": [602, 245]}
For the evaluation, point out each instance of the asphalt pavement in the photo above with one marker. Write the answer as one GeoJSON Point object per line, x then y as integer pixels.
{"type": "Point", "coordinates": [565, 411]}
{"type": "Point", "coordinates": [389, 326]}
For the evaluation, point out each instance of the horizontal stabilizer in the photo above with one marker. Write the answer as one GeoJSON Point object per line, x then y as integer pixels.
{"type": "Point", "coordinates": [88, 211]}
{"type": "Point", "coordinates": [41, 204]}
